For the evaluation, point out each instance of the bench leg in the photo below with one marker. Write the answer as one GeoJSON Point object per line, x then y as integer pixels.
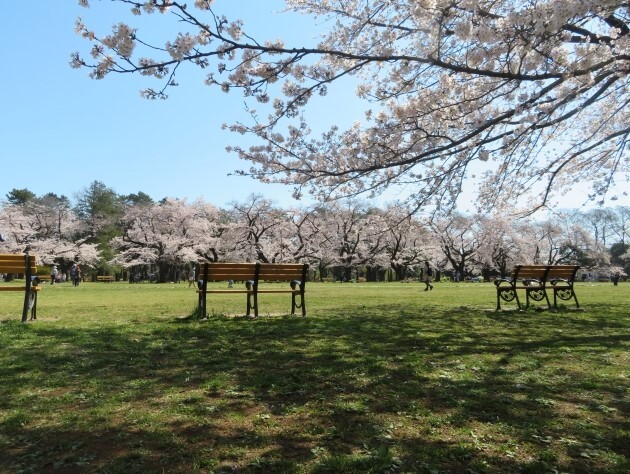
{"type": "Point", "coordinates": [255, 304]}
{"type": "Point", "coordinates": [26, 308]}
{"type": "Point", "coordinates": [526, 299]}
{"type": "Point", "coordinates": [572, 295]}
{"type": "Point", "coordinates": [518, 302]}
{"type": "Point", "coordinates": [547, 298]}
{"type": "Point", "coordinates": [508, 298]}
{"type": "Point", "coordinates": [537, 294]}
{"type": "Point", "coordinates": [30, 306]}
{"type": "Point", "coordinates": [295, 304]}
{"type": "Point", "coordinates": [252, 303]}
{"type": "Point", "coordinates": [34, 305]}
{"type": "Point", "coordinates": [202, 305]}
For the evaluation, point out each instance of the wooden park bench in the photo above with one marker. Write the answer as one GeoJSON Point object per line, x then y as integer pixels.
{"type": "Point", "coordinates": [23, 265]}
{"type": "Point", "coordinates": [104, 278]}
{"type": "Point", "coordinates": [253, 274]}
{"type": "Point", "coordinates": [537, 281]}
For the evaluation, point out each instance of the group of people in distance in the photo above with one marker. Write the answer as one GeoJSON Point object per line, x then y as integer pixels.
{"type": "Point", "coordinates": [75, 275]}
{"type": "Point", "coordinates": [427, 276]}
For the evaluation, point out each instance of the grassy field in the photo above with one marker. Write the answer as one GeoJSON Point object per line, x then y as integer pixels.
{"type": "Point", "coordinates": [119, 378]}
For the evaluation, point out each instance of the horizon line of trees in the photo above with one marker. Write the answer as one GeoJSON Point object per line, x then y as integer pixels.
{"type": "Point", "coordinates": [128, 235]}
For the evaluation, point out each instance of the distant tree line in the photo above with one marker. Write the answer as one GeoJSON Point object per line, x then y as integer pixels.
{"type": "Point", "coordinates": [134, 237]}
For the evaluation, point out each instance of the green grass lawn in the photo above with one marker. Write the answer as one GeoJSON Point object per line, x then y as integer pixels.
{"type": "Point", "coordinates": [119, 378]}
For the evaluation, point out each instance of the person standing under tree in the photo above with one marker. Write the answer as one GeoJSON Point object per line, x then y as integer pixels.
{"type": "Point", "coordinates": [77, 275]}
{"type": "Point", "coordinates": [73, 274]}
{"type": "Point", "coordinates": [427, 275]}
{"type": "Point", "coordinates": [191, 277]}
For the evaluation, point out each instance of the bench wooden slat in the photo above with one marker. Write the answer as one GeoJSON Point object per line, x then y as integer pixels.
{"type": "Point", "coordinates": [16, 269]}
{"type": "Point", "coordinates": [229, 266]}
{"type": "Point", "coordinates": [18, 288]}
{"type": "Point", "coordinates": [10, 263]}
{"type": "Point", "coordinates": [16, 257]}
{"type": "Point", "coordinates": [277, 274]}
{"type": "Point", "coordinates": [226, 275]}
{"type": "Point", "coordinates": [297, 292]}
{"type": "Point", "coordinates": [227, 292]}
{"type": "Point", "coordinates": [567, 272]}
{"type": "Point", "coordinates": [271, 267]}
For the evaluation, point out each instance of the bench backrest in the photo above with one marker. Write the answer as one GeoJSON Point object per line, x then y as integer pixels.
{"type": "Point", "coordinates": [525, 272]}
{"type": "Point", "coordinates": [253, 271]}
{"type": "Point", "coordinates": [219, 271]}
{"type": "Point", "coordinates": [282, 271]}
{"type": "Point", "coordinates": [12, 263]}
{"type": "Point", "coordinates": [566, 272]}
{"type": "Point", "coordinates": [544, 273]}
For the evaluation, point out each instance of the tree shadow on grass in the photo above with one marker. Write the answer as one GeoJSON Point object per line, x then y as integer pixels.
{"type": "Point", "coordinates": [358, 390]}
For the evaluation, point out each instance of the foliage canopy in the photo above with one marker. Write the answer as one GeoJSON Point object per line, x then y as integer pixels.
{"type": "Point", "coordinates": [529, 95]}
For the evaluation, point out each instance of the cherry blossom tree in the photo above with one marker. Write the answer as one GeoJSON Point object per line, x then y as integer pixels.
{"type": "Point", "coordinates": [374, 258]}
{"type": "Point", "coordinates": [525, 95]}
{"type": "Point", "coordinates": [459, 238]}
{"type": "Point", "coordinates": [212, 235]}
{"type": "Point", "coordinates": [305, 233]}
{"type": "Point", "coordinates": [620, 258]}
{"type": "Point", "coordinates": [562, 240]}
{"type": "Point", "coordinates": [49, 229]}
{"type": "Point", "coordinates": [503, 244]}
{"type": "Point", "coordinates": [260, 231]}
{"type": "Point", "coordinates": [351, 237]}
{"type": "Point", "coordinates": [408, 243]}
{"type": "Point", "coordinates": [168, 234]}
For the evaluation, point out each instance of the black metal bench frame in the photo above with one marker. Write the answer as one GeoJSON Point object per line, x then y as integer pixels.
{"type": "Point", "coordinates": [537, 281]}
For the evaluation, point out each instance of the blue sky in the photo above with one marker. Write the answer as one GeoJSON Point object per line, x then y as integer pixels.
{"type": "Point", "coordinates": [60, 130]}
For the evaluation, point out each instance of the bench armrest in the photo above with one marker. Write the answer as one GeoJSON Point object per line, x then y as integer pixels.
{"type": "Point", "coordinates": [555, 281]}
{"type": "Point", "coordinates": [532, 282]}
{"type": "Point", "coordinates": [498, 281]}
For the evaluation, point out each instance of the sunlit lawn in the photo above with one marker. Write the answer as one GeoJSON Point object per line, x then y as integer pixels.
{"type": "Point", "coordinates": [378, 378]}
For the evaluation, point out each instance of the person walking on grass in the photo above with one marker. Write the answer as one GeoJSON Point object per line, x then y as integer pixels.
{"type": "Point", "coordinates": [191, 277]}
{"type": "Point", "coordinates": [427, 275]}
{"type": "Point", "coordinates": [53, 275]}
